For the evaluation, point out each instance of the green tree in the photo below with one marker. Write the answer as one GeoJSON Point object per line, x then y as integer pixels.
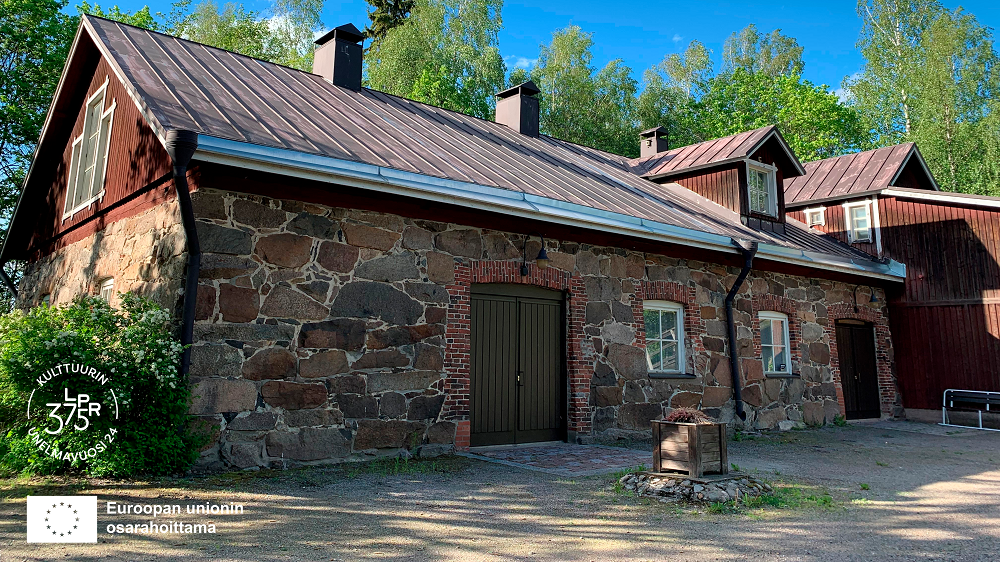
{"type": "Point", "coordinates": [891, 42]}
{"type": "Point", "coordinates": [670, 91]}
{"type": "Point", "coordinates": [140, 18]}
{"type": "Point", "coordinates": [956, 95]}
{"type": "Point", "coordinates": [385, 15]}
{"type": "Point", "coordinates": [773, 54]}
{"type": "Point", "coordinates": [581, 104]}
{"type": "Point", "coordinates": [812, 120]}
{"type": "Point", "coordinates": [445, 53]}
{"type": "Point", "coordinates": [283, 35]}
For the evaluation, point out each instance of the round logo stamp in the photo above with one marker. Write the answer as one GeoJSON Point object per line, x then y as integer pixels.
{"type": "Point", "coordinates": [72, 412]}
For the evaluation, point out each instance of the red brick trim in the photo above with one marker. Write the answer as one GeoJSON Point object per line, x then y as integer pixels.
{"type": "Point", "coordinates": [458, 333]}
{"type": "Point", "coordinates": [694, 325]}
{"type": "Point", "coordinates": [887, 386]}
{"type": "Point", "coordinates": [463, 434]}
{"type": "Point", "coordinates": [786, 306]}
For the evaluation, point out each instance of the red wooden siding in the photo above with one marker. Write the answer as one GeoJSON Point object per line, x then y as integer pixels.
{"type": "Point", "coordinates": [136, 158]}
{"type": "Point", "coordinates": [946, 321]}
{"type": "Point", "coordinates": [721, 185]}
{"type": "Point", "coordinates": [836, 225]}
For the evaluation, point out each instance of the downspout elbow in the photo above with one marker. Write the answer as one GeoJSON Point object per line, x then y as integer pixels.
{"type": "Point", "coordinates": [181, 146]}
{"type": "Point", "coordinates": [7, 281]}
{"type": "Point", "coordinates": [749, 250]}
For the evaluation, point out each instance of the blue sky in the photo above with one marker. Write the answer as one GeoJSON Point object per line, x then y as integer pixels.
{"type": "Point", "coordinates": [641, 33]}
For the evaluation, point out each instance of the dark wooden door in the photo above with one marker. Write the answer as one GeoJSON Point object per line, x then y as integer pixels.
{"type": "Point", "coordinates": [858, 370]}
{"type": "Point", "coordinates": [516, 376]}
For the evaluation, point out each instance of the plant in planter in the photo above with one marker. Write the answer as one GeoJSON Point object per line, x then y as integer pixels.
{"type": "Point", "coordinates": [687, 440]}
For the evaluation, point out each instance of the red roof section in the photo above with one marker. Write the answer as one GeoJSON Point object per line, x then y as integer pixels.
{"type": "Point", "coordinates": [703, 154]}
{"type": "Point", "coordinates": [850, 174]}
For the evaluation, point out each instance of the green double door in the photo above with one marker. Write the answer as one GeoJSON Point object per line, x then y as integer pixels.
{"type": "Point", "coordinates": [518, 386]}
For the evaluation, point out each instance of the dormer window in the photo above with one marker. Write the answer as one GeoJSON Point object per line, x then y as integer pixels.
{"type": "Point", "coordinates": [90, 155]}
{"type": "Point", "coordinates": [816, 217]}
{"type": "Point", "coordinates": [762, 189]}
{"type": "Point", "coordinates": [859, 222]}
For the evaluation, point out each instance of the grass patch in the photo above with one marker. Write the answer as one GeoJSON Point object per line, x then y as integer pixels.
{"type": "Point", "coordinates": [839, 421]}
{"type": "Point", "coordinates": [784, 496]}
{"type": "Point", "coordinates": [395, 466]}
{"type": "Point", "coordinates": [865, 486]}
{"type": "Point", "coordinates": [880, 463]}
{"type": "Point", "coordinates": [618, 488]}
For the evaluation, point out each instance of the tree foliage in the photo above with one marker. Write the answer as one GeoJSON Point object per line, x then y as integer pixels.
{"type": "Point", "coordinates": [446, 53]}
{"type": "Point", "coordinates": [772, 55]}
{"type": "Point", "coordinates": [930, 76]}
{"type": "Point", "coordinates": [385, 15]}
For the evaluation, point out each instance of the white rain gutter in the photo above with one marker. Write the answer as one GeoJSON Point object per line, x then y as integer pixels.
{"type": "Point", "coordinates": [516, 203]}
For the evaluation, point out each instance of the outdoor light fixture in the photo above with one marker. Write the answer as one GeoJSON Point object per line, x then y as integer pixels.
{"type": "Point", "coordinates": [871, 299]}
{"type": "Point", "coordinates": [542, 260]}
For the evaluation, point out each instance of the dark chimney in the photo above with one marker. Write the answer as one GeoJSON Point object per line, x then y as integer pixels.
{"type": "Point", "coordinates": [518, 108]}
{"type": "Point", "coordinates": [338, 57]}
{"type": "Point", "coordinates": [653, 142]}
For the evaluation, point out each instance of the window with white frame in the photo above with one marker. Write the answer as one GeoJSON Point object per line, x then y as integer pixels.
{"type": "Point", "coordinates": [774, 343]}
{"type": "Point", "coordinates": [90, 155]}
{"type": "Point", "coordinates": [664, 336]}
{"type": "Point", "coordinates": [107, 289]}
{"type": "Point", "coordinates": [816, 217]}
{"type": "Point", "coordinates": [859, 222]}
{"type": "Point", "coordinates": [762, 189]}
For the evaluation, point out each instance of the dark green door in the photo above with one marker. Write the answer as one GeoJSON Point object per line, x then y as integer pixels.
{"type": "Point", "coordinates": [858, 370]}
{"type": "Point", "coordinates": [517, 382]}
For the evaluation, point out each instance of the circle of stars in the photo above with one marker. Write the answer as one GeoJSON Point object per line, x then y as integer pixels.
{"type": "Point", "coordinates": [61, 508]}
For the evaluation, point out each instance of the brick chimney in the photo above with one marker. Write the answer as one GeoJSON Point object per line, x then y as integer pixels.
{"type": "Point", "coordinates": [653, 141]}
{"type": "Point", "coordinates": [338, 57]}
{"type": "Point", "coordinates": [518, 108]}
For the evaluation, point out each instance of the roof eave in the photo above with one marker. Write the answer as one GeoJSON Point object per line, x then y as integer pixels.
{"type": "Point", "coordinates": [470, 195]}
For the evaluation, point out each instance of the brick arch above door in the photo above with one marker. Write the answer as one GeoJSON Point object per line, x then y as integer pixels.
{"type": "Point", "coordinates": [457, 365]}
{"type": "Point", "coordinates": [889, 396]}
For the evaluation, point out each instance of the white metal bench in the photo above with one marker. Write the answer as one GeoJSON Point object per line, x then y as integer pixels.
{"type": "Point", "coordinates": [979, 400]}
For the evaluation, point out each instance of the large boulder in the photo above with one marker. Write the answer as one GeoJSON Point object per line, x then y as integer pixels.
{"type": "Point", "coordinates": [285, 249]}
{"type": "Point", "coordinates": [323, 364]}
{"type": "Point", "coordinates": [464, 242]}
{"type": "Point", "coordinates": [215, 239]}
{"type": "Point", "coordinates": [238, 304]}
{"type": "Point", "coordinates": [365, 299]}
{"type": "Point", "coordinates": [339, 258]}
{"type": "Point", "coordinates": [629, 361]}
{"type": "Point", "coordinates": [389, 268]}
{"type": "Point", "coordinates": [385, 434]}
{"type": "Point", "coordinates": [308, 444]}
{"type": "Point", "coordinates": [216, 360]}
{"type": "Point", "coordinates": [215, 396]}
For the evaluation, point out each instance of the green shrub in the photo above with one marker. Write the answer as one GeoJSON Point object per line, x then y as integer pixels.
{"type": "Point", "coordinates": [133, 346]}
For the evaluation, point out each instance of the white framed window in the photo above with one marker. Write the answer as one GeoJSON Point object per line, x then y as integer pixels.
{"type": "Point", "coordinates": [816, 216]}
{"type": "Point", "coordinates": [107, 289]}
{"type": "Point", "coordinates": [762, 189]}
{"type": "Point", "coordinates": [858, 217]}
{"type": "Point", "coordinates": [774, 344]}
{"type": "Point", "coordinates": [664, 336]}
{"type": "Point", "coordinates": [89, 160]}
{"type": "Point", "coordinates": [46, 299]}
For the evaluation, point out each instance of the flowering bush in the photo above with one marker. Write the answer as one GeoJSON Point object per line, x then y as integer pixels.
{"type": "Point", "coordinates": [138, 360]}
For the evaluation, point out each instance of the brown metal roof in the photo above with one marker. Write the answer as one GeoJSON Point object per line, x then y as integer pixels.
{"type": "Point", "coordinates": [851, 174]}
{"type": "Point", "coordinates": [709, 153]}
{"type": "Point", "coordinates": [184, 85]}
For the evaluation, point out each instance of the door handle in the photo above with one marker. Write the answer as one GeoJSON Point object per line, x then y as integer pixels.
{"type": "Point", "coordinates": [519, 383]}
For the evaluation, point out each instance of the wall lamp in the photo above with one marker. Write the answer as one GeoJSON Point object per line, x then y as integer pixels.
{"type": "Point", "coordinates": [871, 299]}
{"type": "Point", "coordinates": [542, 260]}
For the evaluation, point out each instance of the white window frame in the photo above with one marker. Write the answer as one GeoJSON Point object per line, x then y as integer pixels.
{"type": "Point", "coordinates": [106, 289]}
{"type": "Point", "coordinates": [102, 129]}
{"type": "Point", "coordinates": [783, 318]}
{"type": "Point", "coordinates": [822, 216]}
{"type": "Point", "coordinates": [666, 306]}
{"type": "Point", "coordinates": [849, 221]}
{"type": "Point", "coordinates": [772, 188]}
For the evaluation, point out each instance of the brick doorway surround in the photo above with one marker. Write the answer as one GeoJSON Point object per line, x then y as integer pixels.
{"type": "Point", "coordinates": [459, 330]}
{"type": "Point", "coordinates": [888, 390]}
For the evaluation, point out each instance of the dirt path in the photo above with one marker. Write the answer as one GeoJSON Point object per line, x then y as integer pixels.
{"type": "Point", "coordinates": [930, 497]}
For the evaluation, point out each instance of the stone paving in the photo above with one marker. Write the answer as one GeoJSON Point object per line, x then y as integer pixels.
{"type": "Point", "coordinates": [564, 459]}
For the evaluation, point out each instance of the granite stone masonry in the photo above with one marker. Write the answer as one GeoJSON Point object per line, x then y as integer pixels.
{"type": "Point", "coordinates": [326, 334]}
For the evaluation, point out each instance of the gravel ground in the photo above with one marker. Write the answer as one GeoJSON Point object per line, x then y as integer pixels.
{"type": "Point", "coordinates": [929, 497]}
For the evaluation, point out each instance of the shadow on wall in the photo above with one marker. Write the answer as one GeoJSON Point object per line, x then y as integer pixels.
{"type": "Point", "coordinates": [946, 321]}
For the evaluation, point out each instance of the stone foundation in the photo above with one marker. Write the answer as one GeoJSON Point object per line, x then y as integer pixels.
{"type": "Point", "coordinates": [709, 489]}
{"type": "Point", "coordinates": [327, 333]}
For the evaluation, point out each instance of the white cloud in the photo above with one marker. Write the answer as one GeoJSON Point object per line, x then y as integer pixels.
{"type": "Point", "coordinates": [520, 62]}
{"type": "Point", "coordinates": [677, 38]}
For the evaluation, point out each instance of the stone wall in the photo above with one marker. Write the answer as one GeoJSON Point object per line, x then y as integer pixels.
{"type": "Point", "coordinates": [145, 254]}
{"type": "Point", "coordinates": [330, 333]}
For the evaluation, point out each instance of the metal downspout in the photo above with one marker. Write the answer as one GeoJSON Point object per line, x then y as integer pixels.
{"type": "Point", "coordinates": [7, 281]}
{"type": "Point", "coordinates": [749, 250]}
{"type": "Point", "coordinates": [181, 146]}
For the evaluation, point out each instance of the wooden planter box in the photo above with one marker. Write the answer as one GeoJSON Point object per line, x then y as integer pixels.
{"type": "Point", "coordinates": [697, 449]}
